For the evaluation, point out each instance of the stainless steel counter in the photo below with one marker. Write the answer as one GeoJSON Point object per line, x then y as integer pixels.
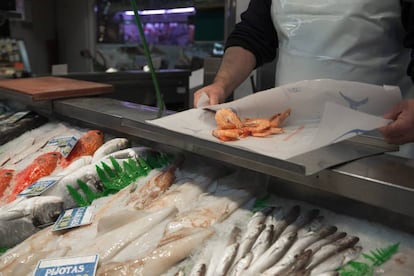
{"type": "Point", "coordinates": [378, 184]}
{"type": "Point", "coordinates": [377, 187]}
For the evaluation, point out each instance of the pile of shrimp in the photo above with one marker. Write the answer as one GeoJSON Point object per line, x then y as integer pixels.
{"type": "Point", "coordinates": [230, 127]}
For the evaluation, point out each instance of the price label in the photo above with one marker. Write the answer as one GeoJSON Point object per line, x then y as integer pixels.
{"type": "Point", "coordinates": [74, 218]}
{"type": "Point", "coordinates": [73, 266]}
{"type": "Point", "coordinates": [16, 117]}
{"type": "Point", "coordinates": [40, 186]}
{"type": "Point", "coordinates": [65, 144]}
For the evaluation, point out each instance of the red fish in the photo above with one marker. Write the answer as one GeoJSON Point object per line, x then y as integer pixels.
{"type": "Point", "coordinates": [42, 166]}
{"type": "Point", "coordinates": [6, 176]}
{"type": "Point", "coordinates": [86, 145]}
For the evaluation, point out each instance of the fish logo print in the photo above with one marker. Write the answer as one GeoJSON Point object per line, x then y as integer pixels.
{"type": "Point", "coordinates": [353, 104]}
{"type": "Point", "coordinates": [355, 131]}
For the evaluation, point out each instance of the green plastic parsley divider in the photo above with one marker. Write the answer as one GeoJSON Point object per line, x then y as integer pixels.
{"type": "Point", "coordinates": [376, 258]}
{"type": "Point", "coordinates": [261, 203]}
{"type": "Point", "coordinates": [114, 180]}
{"type": "Point", "coordinates": [160, 102]}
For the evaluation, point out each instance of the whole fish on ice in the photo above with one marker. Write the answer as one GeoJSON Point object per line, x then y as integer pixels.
{"type": "Point", "coordinates": [6, 176]}
{"type": "Point", "coordinates": [87, 144]}
{"type": "Point", "coordinates": [42, 166]}
{"type": "Point", "coordinates": [23, 217]}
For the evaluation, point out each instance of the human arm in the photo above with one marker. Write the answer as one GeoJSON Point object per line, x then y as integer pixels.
{"type": "Point", "coordinates": [401, 130]}
{"type": "Point", "coordinates": [252, 43]}
{"type": "Point", "coordinates": [235, 67]}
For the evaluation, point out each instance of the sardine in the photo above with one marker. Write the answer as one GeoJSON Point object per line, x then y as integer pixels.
{"type": "Point", "coordinates": [198, 270]}
{"type": "Point", "coordinates": [262, 242]}
{"type": "Point", "coordinates": [226, 259]}
{"type": "Point", "coordinates": [298, 248]}
{"type": "Point", "coordinates": [329, 239]}
{"type": "Point", "coordinates": [331, 249]}
{"type": "Point", "coordinates": [241, 265]}
{"type": "Point", "coordinates": [248, 239]}
{"type": "Point", "coordinates": [299, 263]}
{"type": "Point", "coordinates": [287, 219]}
{"type": "Point", "coordinates": [273, 254]}
{"type": "Point", "coordinates": [336, 261]}
{"type": "Point", "coordinates": [301, 221]}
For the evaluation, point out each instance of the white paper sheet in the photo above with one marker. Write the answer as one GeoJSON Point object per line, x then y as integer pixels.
{"type": "Point", "coordinates": [323, 112]}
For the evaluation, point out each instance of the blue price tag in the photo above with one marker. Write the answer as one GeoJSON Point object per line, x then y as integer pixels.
{"type": "Point", "coordinates": [65, 144]}
{"type": "Point", "coordinates": [40, 186]}
{"type": "Point", "coordinates": [74, 218]}
{"type": "Point", "coordinates": [73, 266]}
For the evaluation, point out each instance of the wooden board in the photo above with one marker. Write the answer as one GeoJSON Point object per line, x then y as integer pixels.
{"type": "Point", "coordinates": [50, 88]}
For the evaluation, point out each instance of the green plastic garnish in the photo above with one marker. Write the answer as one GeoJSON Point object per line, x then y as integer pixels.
{"type": "Point", "coordinates": [160, 102]}
{"type": "Point", "coordinates": [114, 180]}
{"type": "Point", "coordinates": [375, 258]}
{"type": "Point", "coordinates": [261, 203]}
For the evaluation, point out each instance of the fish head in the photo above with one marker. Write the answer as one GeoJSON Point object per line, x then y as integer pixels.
{"type": "Point", "coordinates": [94, 137]}
{"type": "Point", "coordinates": [46, 210]}
{"type": "Point", "coordinates": [49, 158]}
{"type": "Point", "coordinates": [6, 174]}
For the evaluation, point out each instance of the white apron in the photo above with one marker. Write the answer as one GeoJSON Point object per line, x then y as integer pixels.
{"type": "Point", "coordinates": [356, 40]}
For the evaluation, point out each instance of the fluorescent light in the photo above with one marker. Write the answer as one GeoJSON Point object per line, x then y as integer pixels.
{"type": "Point", "coordinates": [163, 11]}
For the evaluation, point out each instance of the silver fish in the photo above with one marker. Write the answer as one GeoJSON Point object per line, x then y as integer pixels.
{"type": "Point", "coordinates": [109, 147]}
{"type": "Point", "coordinates": [133, 153]}
{"type": "Point", "coordinates": [259, 217]}
{"type": "Point", "coordinates": [41, 210]}
{"type": "Point", "coordinates": [329, 239]}
{"type": "Point", "coordinates": [26, 216]}
{"type": "Point", "coordinates": [273, 254]}
{"type": "Point", "coordinates": [298, 247]}
{"type": "Point", "coordinates": [15, 231]}
{"type": "Point", "coordinates": [86, 174]}
{"type": "Point", "coordinates": [248, 239]}
{"type": "Point", "coordinates": [263, 242]}
{"type": "Point", "coordinates": [331, 249]}
{"type": "Point", "coordinates": [336, 261]}
{"type": "Point", "coordinates": [288, 218]}
{"type": "Point", "coordinates": [300, 262]}
{"type": "Point", "coordinates": [198, 270]}
{"type": "Point", "coordinates": [240, 266]}
{"type": "Point", "coordinates": [301, 221]}
{"type": "Point", "coordinates": [226, 260]}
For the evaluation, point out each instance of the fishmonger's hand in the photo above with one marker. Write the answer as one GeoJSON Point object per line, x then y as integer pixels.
{"type": "Point", "coordinates": [214, 92]}
{"type": "Point", "coordinates": [401, 130]}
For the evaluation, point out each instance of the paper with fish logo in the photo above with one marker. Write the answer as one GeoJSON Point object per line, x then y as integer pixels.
{"type": "Point", "coordinates": [73, 266]}
{"type": "Point", "coordinates": [64, 143]}
{"type": "Point", "coordinates": [313, 109]}
{"type": "Point", "coordinates": [74, 218]}
{"type": "Point", "coordinates": [40, 186]}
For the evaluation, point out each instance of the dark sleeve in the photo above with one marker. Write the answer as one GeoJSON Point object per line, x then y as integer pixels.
{"type": "Point", "coordinates": [255, 32]}
{"type": "Point", "coordinates": [408, 22]}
